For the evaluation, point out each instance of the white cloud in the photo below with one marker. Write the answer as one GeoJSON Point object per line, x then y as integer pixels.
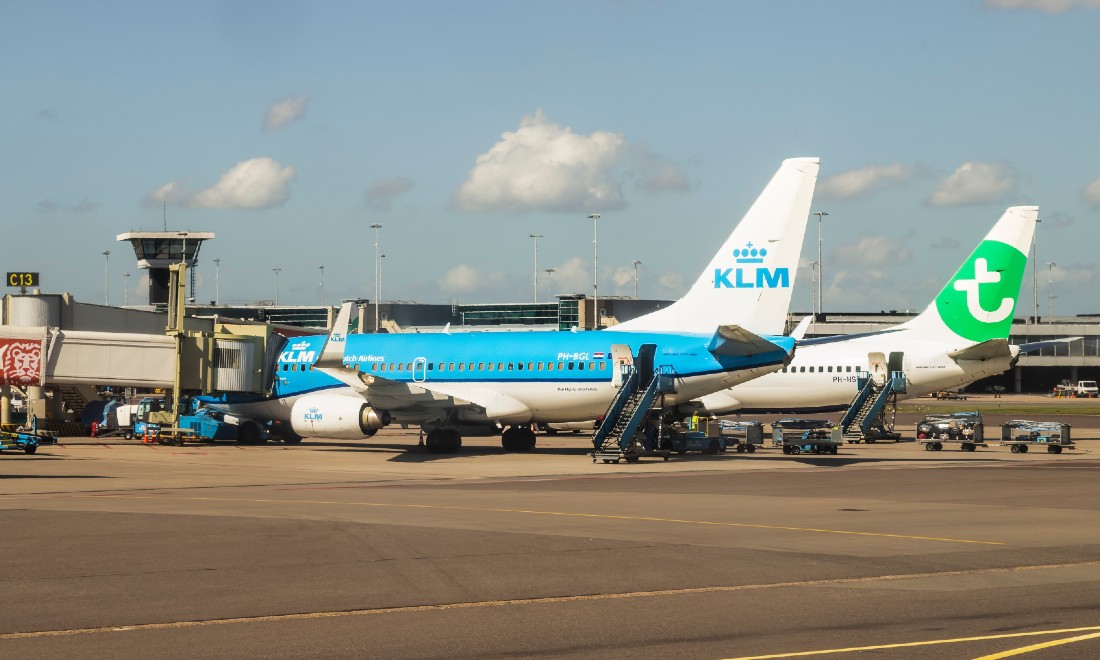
{"type": "Point", "coordinates": [1091, 193]}
{"type": "Point", "coordinates": [463, 280]}
{"type": "Point", "coordinates": [542, 166]}
{"type": "Point", "coordinates": [382, 192]}
{"type": "Point", "coordinates": [1047, 6]}
{"type": "Point", "coordinates": [259, 183]}
{"type": "Point", "coordinates": [974, 183]}
{"type": "Point", "coordinates": [657, 174]}
{"type": "Point", "coordinates": [284, 111]}
{"type": "Point", "coordinates": [870, 252]}
{"type": "Point", "coordinates": [573, 276]}
{"type": "Point", "coordinates": [863, 182]}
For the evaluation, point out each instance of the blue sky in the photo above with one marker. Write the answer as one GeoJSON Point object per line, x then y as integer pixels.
{"type": "Point", "coordinates": [463, 127]}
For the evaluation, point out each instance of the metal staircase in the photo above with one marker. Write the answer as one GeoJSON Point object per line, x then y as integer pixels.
{"type": "Point", "coordinates": [867, 413]}
{"type": "Point", "coordinates": [616, 437]}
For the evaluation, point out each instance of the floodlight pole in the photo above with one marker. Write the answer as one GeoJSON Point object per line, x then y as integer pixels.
{"type": "Point", "coordinates": [106, 277]}
{"type": "Point", "coordinates": [377, 275]}
{"type": "Point", "coordinates": [636, 262]}
{"type": "Point", "coordinates": [536, 237]}
{"type": "Point", "coordinates": [595, 218]}
{"type": "Point", "coordinates": [1050, 291]}
{"type": "Point", "coordinates": [820, 276]}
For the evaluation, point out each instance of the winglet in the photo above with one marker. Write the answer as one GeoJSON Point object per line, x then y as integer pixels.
{"type": "Point", "coordinates": [332, 355]}
{"type": "Point", "coordinates": [799, 331]}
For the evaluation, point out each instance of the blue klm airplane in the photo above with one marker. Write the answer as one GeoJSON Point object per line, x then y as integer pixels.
{"type": "Point", "coordinates": [724, 331]}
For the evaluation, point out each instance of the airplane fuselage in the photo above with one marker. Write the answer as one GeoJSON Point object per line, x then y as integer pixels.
{"type": "Point", "coordinates": [822, 377]}
{"type": "Point", "coordinates": [515, 377]}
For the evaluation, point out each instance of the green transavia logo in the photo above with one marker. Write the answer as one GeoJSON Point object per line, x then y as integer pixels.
{"type": "Point", "coordinates": [978, 302]}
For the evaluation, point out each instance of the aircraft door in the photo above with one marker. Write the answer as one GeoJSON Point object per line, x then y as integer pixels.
{"type": "Point", "coordinates": [644, 363]}
{"type": "Point", "coordinates": [896, 362]}
{"type": "Point", "coordinates": [876, 364]}
{"type": "Point", "coordinates": [622, 360]}
{"type": "Point", "coordinates": [420, 370]}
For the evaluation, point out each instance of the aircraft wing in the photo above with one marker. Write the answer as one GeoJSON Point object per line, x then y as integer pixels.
{"type": "Point", "coordinates": [987, 350]}
{"type": "Point", "coordinates": [1034, 346]}
{"type": "Point", "coordinates": [733, 340]}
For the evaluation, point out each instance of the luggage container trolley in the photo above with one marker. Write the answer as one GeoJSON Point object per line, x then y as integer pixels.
{"type": "Point", "coordinates": [27, 440]}
{"type": "Point", "coordinates": [962, 428]}
{"type": "Point", "coordinates": [742, 436]}
{"type": "Point", "coordinates": [1020, 435]}
{"type": "Point", "coordinates": [806, 436]}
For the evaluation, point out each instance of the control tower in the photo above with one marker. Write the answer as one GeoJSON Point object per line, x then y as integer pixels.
{"type": "Point", "coordinates": [156, 250]}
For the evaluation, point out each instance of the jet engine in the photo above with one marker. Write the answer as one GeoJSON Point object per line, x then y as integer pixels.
{"type": "Point", "coordinates": [335, 416]}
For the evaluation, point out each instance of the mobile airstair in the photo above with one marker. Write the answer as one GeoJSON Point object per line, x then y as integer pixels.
{"type": "Point", "coordinates": [866, 417]}
{"type": "Point", "coordinates": [618, 436]}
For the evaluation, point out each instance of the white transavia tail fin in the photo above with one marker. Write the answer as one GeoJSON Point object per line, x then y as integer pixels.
{"type": "Point", "coordinates": [750, 280]}
{"type": "Point", "coordinates": [978, 302]}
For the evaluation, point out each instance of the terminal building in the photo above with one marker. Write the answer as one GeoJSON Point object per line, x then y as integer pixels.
{"type": "Point", "coordinates": [44, 320]}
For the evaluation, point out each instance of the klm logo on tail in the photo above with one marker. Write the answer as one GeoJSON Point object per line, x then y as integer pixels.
{"type": "Point", "coordinates": [746, 275]}
{"type": "Point", "coordinates": [978, 302]}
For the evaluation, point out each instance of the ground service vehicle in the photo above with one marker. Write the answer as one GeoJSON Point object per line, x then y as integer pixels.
{"type": "Point", "coordinates": [964, 428]}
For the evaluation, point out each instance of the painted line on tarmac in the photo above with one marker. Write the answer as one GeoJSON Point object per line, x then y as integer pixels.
{"type": "Point", "coordinates": [958, 640]}
{"type": "Point", "coordinates": [1038, 647]}
{"type": "Point", "coordinates": [568, 514]}
{"type": "Point", "coordinates": [551, 600]}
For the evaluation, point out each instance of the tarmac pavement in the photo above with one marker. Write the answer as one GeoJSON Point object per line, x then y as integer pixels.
{"type": "Point", "coordinates": [379, 549]}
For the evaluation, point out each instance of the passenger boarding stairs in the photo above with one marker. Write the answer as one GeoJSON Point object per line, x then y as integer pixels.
{"type": "Point", "coordinates": [617, 436]}
{"type": "Point", "coordinates": [867, 414]}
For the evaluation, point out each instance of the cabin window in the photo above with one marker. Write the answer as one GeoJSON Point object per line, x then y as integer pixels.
{"type": "Point", "coordinates": [374, 366]}
{"type": "Point", "coordinates": [603, 366]}
{"type": "Point", "coordinates": [549, 366]}
{"type": "Point", "coordinates": [538, 366]}
{"type": "Point", "coordinates": [450, 366]}
{"type": "Point", "coordinates": [570, 366]}
{"type": "Point", "coordinates": [580, 366]}
{"type": "Point", "coordinates": [286, 367]}
{"type": "Point", "coordinates": [431, 366]}
{"type": "Point", "coordinates": [519, 365]}
{"type": "Point", "coordinates": [481, 366]}
{"type": "Point", "coordinates": [561, 366]}
{"type": "Point", "coordinates": [471, 366]}
{"type": "Point", "coordinates": [461, 365]}
{"type": "Point", "coordinates": [400, 366]}
{"type": "Point", "coordinates": [830, 370]}
{"type": "Point", "coordinates": [356, 367]}
{"type": "Point", "coordinates": [500, 366]}
{"type": "Point", "coordinates": [511, 366]}
{"type": "Point", "coordinates": [530, 366]}
{"type": "Point", "coordinates": [849, 368]}
{"type": "Point", "coordinates": [802, 370]}
{"type": "Point", "coordinates": [591, 366]}
{"type": "Point", "coordinates": [491, 366]}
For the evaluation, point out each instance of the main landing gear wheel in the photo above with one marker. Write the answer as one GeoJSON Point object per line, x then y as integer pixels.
{"type": "Point", "coordinates": [443, 441]}
{"type": "Point", "coordinates": [1054, 449]}
{"type": "Point", "coordinates": [518, 438]}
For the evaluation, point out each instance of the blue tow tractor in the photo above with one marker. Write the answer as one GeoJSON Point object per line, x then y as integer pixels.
{"type": "Point", "coordinates": [27, 440]}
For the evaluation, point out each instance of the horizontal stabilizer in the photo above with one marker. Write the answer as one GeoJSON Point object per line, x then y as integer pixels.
{"type": "Point", "coordinates": [1036, 346]}
{"type": "Point", "coordinates": [987, 350]}
{"type": "Point", "coordinates": [734, 340]}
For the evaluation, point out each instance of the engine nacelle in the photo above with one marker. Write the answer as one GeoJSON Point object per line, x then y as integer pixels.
{"type": "Point", "coordinates": [335, 416]}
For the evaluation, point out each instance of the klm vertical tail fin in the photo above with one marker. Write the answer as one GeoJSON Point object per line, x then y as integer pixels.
{"type": "Point", "coordinates": [750, 280]}
{"type": "Point", "coordinates": [977, 304]}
